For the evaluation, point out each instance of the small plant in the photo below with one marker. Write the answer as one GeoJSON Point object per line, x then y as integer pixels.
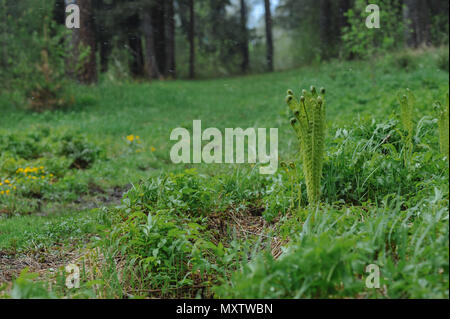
{"type": "Point", "coordinates": [309, 126]}
{"type": "Point", "coordinates": [82, 152]}
{"type": "Point", "coordinates": [47, 90]}
{"type": "Point", "coordinates": [407, 102]}
{"type": "Point", "coordinates": [443, 126]}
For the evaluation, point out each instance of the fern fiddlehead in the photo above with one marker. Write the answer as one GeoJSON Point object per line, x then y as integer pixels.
{"type": "Point", "coordinates": [407, 102]}
{"type": "Point", "coordinates": [309, 125]}
{"type": "Point", "coordinates": [443, 126]}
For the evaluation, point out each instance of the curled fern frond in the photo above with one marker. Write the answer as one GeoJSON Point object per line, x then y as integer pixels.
{"type": "Point", "coordinates": [407, 102]}
{"type": "Point", "coordinates": [309, 125]}
{"type": "Point", "coordinates": [443, 126]}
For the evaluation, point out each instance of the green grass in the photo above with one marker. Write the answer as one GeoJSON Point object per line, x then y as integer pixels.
{"type": "Point", "coordinates": [33, 232]}
{"type": "Point", "coordinates": [378, 205]}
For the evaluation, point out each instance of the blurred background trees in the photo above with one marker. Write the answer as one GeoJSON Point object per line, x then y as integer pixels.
{"type": "Point", "coordinates": [168, 39]}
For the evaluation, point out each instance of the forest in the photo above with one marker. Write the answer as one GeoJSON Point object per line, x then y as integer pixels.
{"type": "Point", "coordinates": [217, 149]}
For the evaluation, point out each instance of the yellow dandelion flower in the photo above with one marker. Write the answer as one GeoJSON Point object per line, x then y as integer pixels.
{"type": "Point", "coordinates": [130, 138]}
{"type": "Point", "coordinates": [7, 192]}
{"type": "Point", "coordinates": [7, 181]}
{"type": "Point", "coordinates": [153, 149]}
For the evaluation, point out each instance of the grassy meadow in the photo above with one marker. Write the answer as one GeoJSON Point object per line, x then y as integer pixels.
{"type": "Point", "coordinates": [94, 185]}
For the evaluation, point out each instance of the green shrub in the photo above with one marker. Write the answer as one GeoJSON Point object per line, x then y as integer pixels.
{"type": "Point", "coordinates": [362, 42]}
{"type": "Point", "coordinates": [76, 147]}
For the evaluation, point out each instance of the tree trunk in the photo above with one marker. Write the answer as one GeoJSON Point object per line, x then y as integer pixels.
{"type": "Point", "coordinates": [269, 36]}
{"type": "Point", "coordinates": [105, 50]}
{"type": "Point", "coordinates": [151, 65]}
{"type": "Point", "coordinates": [4, 54]}
{"type": "Point", "coordinates": [344, 6]}
{"type": "Point", "coordinates": [325, 27]}
{"type": "Point", "coordinates": [137, 62]}
{"type": "Point", "coordinates": [171, 63]}
{"type": "Point", "coordinates": [59, 12]}
{"type": "Point", "coordinates": [86, 39]}
{"type": "Point", "coordinates": [191, 40]}
{"type": "Point", "coordinates": [416, 20]}
{"type": "Point", "coordinates": [159, 33]}
{"type": "Point", "coordinates": [244, 41]}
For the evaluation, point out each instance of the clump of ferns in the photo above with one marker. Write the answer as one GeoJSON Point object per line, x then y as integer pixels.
{"type": "Point", "coordinates": [443, 125]}
{"type": "Point", "coordinates": [308, 122]}
{"type": "Point", "coordinates": [407, 102]}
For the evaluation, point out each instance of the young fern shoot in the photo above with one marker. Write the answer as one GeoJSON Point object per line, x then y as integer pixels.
{"type": "Point", "coordinates": [407, 102]}
{"type": "Point", "coordinates": [443, 126]}
{"type": "Point", "coordinates": [309, 125]}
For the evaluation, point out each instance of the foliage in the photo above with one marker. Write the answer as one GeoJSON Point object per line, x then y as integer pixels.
{"type": "Point", "coordinates": [443, 119]}
{"type": "Point", "coordinates": [46, 93]}
{"type": "Point", "coordinates": [233, 227]}
{"type": "Point", "coordinates": [167, 246]}
{"type": "Point", "coordinates": [360, 41]}
{"type": "Point", "coordinates": [309, 125]}
{"type": "Point", "coordinates": [442, 61]}
{"type": "Point", "coordinates": [330, 249]}
{"type": "Point", "coordinates": [39, 74]}
{"type": "Point", "coordinates": [26, 287]}
{"type": "Point", "coordinates": [367, 162]}
{"type": "Point", "coordinates": [38, 165]}
{"type": "Point", "coordinates": [407, 102]}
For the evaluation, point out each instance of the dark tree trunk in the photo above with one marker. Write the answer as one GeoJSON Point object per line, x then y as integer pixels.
{"type": "Point", "coordinates": [4, 35]}
{"type": "Point", "coordinates": [159, 34]}
{"type": "Point", "coordinates": [191, 37]}
{"type": "Point", "coordinates": [59, 12]}
{"type": "Point", "coordinates": [104, 34]}
{"type": "Point", "coordinates": [137, 62]}
{"type": "Point", "coordinates": [105, 50]}
{"type": "Point", "coordinates": [244, 41]}
{"type": "Point", "coordinates": [151, 65]}
{"type": "Point", "coordinates": [416, 19]}
{"type": "Point", "coordinates": [171, 63]}
{"type": "Point", "coordinates": [344, 6]}
{"type": "Point", "coordinates": [269, 36]}
{"type": "Point", "coordinates": [325, 27]}
{"type": "Point", "coordinates": [86, 38]}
